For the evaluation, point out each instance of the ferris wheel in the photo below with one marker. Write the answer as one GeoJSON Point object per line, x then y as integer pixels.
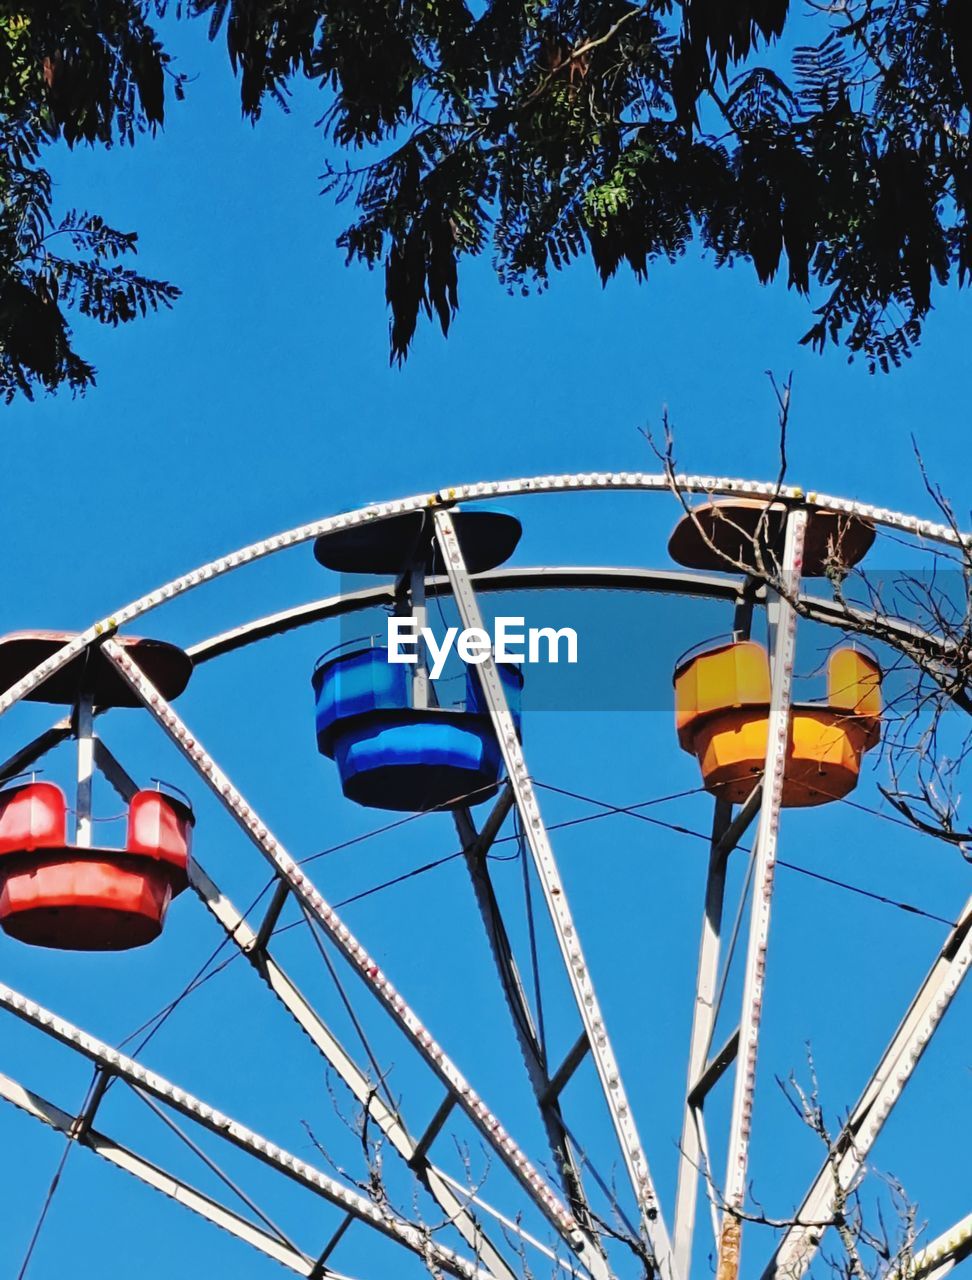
{"type": "Point", "coordinates": [444, 1180]}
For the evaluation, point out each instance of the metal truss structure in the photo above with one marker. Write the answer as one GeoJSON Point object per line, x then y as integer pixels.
{"type": "Point", "coordinates": [492, 1245]}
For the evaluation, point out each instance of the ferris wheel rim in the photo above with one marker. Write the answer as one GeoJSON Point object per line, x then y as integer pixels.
{"type": "Point", "coordinates": [664, 582]}
{"type": "Point", "coordinates": [482, 491]}
{"type": "Point", "coordinates": [442, 501]}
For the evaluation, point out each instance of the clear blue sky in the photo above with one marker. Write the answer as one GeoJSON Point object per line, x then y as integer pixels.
{"type": "Point", "coordinates": [265, 399]}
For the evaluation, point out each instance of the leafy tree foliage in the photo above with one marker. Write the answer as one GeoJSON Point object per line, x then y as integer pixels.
{"type": "Point", "coordinates": [539, 131]}
{"type": "Point", "coordinates": [84, 73]}
{"type": "Point", "coordinates": [544, 131]}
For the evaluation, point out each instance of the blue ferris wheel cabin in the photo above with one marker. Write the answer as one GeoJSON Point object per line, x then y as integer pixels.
{"type": "Point", "coordinates": [393, 755]}
{"type": "Point", "coordinates": [394, 750]}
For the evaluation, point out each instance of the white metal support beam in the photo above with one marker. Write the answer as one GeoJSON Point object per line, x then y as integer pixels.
{"type": "Point", "coordinates": [944, 1253]}
{"type": "Point", "coordinates": [300, 1171]}
{"type": "Point", "coordinates": [248, 940]}
{"type": "Point", "coordinates": [84, 732]}
{"type": "Point", "coordinates": [361, 961]}
{"type": "Point", "coordinates": [552, 578]}
{"type": "Point", "coordinates": [617, 481]}
{"type": "Point", "coordinates": [795, 1251]}
{"type": "Point", "coordinates": [113, 772]}
{"type": "Point", "coordinates": [422, 692]}
{"type": "Point", "coordinates": [475, 846]}
{"type": "Point", "coordinates": [778, 731]}
{"type": "Point", "coordinates": [158, 1179]}
{"type": "Point", "coordinates": [702, 1073]}
{"type": "Point", "coordinates": [28, 755]}
{"type": "Point", "coordinates": [565, 930]}
{"type": "Point", "coordinates": [703, 1022]}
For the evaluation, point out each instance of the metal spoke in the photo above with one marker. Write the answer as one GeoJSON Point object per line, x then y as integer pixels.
{"type": "Point", "coordinates": [618, 481]}
{"type": "Point", "coordinates": [937, 1259]}
{"type": "Point", "coordinates": [703, 1073]}
{"type": "Point", "coordinates": [574, 1221]}
{"type": "Point", "coordinates": [796, 1250]}
{"type": "Point", "coordinates": [377, 982]}
{"type": "Point", "coordinates": [21, 761]}
{"type": "Point", "coordinates": [142, 1079]}
{"type": "Point", "coordinates": [475, 845]}
{"type": "Point", "coordinates": [565, 930]}
{"type": "Point", "coordinates": [778, 730]}
{"type": "Point", "coordinates": [364, 1089]}
{"type": "Point", "coordinates": [703, 1019]}
{"type": "Point", "coordinates": [158, 1179]}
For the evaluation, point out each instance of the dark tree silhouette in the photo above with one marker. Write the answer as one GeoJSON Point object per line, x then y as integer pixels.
{"type": "Point", "coordinates": [544, 131]}
{"type": "Point", "coordinates": [84, 73]}
{"type": "Point", "coordinates": [828, 141]}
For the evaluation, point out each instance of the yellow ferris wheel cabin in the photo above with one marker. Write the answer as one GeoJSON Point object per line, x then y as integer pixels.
{"type": "Point", "coordinates": [722, 701]}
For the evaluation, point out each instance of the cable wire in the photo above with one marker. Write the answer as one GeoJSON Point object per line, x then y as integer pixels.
{"type": "Point", "coordinates": [790, 866]}
{"type": "Point", "coordinates": [442, 807]}
{"type": "Point", "coordinates": [867, 893]}
{"type": "Point", "coordinates": [349, 1009]}
{"type": "Point", "coordinates": [195, 982]}
{"type": "Point", "coordinates": [56, 1179]}
{"type": "Point", "coordinates": [161, 1016]}
{"type": "Point", "coordinates": [215, 1168]}
{"type": "Point", "coordinates": [42, 1217]}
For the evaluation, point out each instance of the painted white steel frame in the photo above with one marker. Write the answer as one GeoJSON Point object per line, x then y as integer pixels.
{"type": "Point", "coordinates": [778, 729]}
{"type": "Point", "coordinates": [693, 1158]}
{"type": "Point", "coordinates": [141, 1078]}
{"type": "Point", "coordinates": [565, 930]}
{"type": "Point", "coordinates": [289, 871]}
{"type": "Point", "coordinates": [703, 1073]}
{"type": "Point", "coordinates": [159, 1180]}
{"type": "Point", "coordinates": [476, 845]}
{"type": "Point", "coordinates": [693, 1145]}
{"type": "Point", "coordinates": [252, 944]}
{"type": "Point", "coordinates": [918, 1027]}
{"type": "Point", "coordinates": [547, 1090]}
{"type": "Point", "coordinates": [796, 1249]}
{"type": "Point", "coordinates": [550, 577]}
{"type": "Point", "coordinates": [364, 1089]}
{"type": "Point", "coordinates": [937, 1259]}
{"type": "Point", "coordinates": [583, 482]}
